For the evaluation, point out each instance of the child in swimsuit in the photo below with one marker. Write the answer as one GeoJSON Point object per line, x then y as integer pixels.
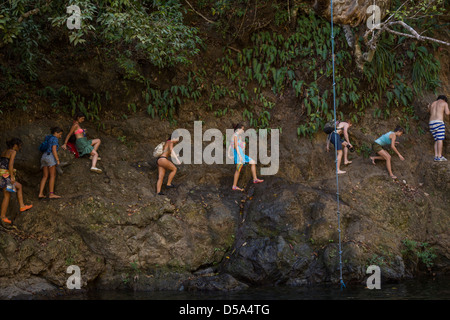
{"type": "Point", "coordinates": [240, 158]}
{"type": "Point", "coordinates": [7, 178]}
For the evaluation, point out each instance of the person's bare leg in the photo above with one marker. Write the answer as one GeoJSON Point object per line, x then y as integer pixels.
{"type": "Point", "coordinates": [43, 182]}
{"type": "Point", "coordinates": [236, 179]}
{"type": "Point", "coordinates": [96, 143]}
{"type": "Point", "coordinates": [161, 173]}
{"type": "Point", "coordinates": [387, 157]}
{"type": "Point", "coordinates": [339, 159]}
{"type": "Point", "coordinates": [171, 175]}
{"type": "Point", "coordinates": [346, 161]}
{"type": "Point", "coordinates": [376, 158]}
{"type": "Point", "coordinates": [436, 152]}
{"type": "Point", "coordinates": [5, 203]}
{"type": "Point", "coordinates": [94, 155]}
{"type": "Point", "coordinates": [19, 194]}
{"type": "Point", "coordinates": [440, 144]}
{"type": "Point", "coordinates": [253, 168]}
{"type": "Point", "coordinates": [51, 183]}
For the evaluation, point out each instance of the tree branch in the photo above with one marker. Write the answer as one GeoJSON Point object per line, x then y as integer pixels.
{"type": "Point", "coordinates": [413, 33]}
{"type": "Point", "coordinates": [190, 5]}
{"type": "Point", "coordinates": [27, 14]}
{"type": "Point", "coordinates": [33, 12]}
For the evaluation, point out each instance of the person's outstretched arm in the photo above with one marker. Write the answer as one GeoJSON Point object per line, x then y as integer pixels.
{"type": "Point", "coordinates": [393, 138]}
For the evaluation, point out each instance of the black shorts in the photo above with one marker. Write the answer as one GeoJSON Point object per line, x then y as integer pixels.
{"type": "Point", "coordinates": [336, 140]}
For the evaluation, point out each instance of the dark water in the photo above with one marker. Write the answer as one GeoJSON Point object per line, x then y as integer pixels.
{"type": "Point", "coordinates": [418, 289]}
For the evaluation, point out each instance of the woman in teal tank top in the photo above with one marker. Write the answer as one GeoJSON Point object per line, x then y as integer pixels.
{"type": "Point", "coordinates": [387, 139]}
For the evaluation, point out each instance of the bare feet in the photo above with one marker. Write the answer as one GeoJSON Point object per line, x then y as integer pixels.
{"type": "Point", "coordinates": [347, 162]}
{"type": "Point", "coordinates": [373, 160]}
{"type": "Point", "coordinates": [341, 172]}
{"type": "Point", "coordinates": [393, 177]}
{"type": "Point", "coordinates": [54, 196]}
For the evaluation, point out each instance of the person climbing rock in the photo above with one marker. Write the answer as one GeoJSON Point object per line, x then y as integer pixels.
{"type": "Point", "coordinates": [49, 161]}
{"type": "Point", "coordinates": [437, 109]}
{"type": "Point", "coordinates": [8, 181]}
{"type": "Point", "coordinates": [341, 144]}
{"type": "Point", "coordinates": [84, 146]}
{"type": "Point", "coordinates": [240, 158]}
{"type": "Point", "coordinates": [388, 138]}
{"type": "Point", "coordinates": [164, 163]}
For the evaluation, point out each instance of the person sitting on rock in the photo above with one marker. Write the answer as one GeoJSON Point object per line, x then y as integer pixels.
{"type": "Point", "coordinates": [8, 180]}
{"type": "Point", "coordinates": [340, 144]}
{"type": "Point", "coordinates": [437, 125]}
{"type": "Point", "coordinates": [240, 158]}
{"type": "Point", "coordinates": [164, 163]}
{"type": "Point", "coordinates": [387, 139]}
{"type": "Point", "coordinates": [84, 146]}
{"type": "Point", "coordinates": [49, 161]}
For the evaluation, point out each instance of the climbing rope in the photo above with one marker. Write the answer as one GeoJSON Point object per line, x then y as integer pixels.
{"type": "Point", "coordinates": [335, 152]}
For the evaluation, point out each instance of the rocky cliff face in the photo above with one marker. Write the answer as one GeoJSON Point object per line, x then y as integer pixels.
{"type": "Point", "coordinates": [283, 231]}
{"type": "Point", "coordinates": [202, 235]}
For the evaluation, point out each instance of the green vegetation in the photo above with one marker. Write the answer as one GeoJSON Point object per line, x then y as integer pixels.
{"type": "Point", "coordinates": [420, 251]}
{"type": "Point", "coordinates": [292, 59]}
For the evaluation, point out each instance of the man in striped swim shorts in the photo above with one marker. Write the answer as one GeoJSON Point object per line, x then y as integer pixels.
{"type": "Point", "coordinates": [437, 126]}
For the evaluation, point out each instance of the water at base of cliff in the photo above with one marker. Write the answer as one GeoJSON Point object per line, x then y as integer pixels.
{"type": "Point", "coordinates": [437, 288]}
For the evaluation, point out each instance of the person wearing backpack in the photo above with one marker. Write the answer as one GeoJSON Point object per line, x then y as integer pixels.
{"type": "Point", "coordinates": [162, 152]}
{"type": "Point", "coordinates": [341, 144]}
{"type": "Point", "coordinates": [8, 181]}
{"type": "Point", "coordinates": [49, 161]}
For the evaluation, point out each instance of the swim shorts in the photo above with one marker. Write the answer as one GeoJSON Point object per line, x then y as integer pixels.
{"type": "Point", "coordinates": [336, 140]}
{"type": "Point", "coordinates": [376, 147]}
{"type": "Point", "coordinates": [437, 129]}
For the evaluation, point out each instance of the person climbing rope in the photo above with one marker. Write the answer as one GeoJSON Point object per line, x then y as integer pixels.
{"type": "Point", "coordinates": [240, 158]}
{"type": "Point", "coordinates": [49, 161]}
{"type": "Point", "coordinates": [388, 138]}
{"type": "Point", "coordinates": [164, 163]}
{"type": "Point", "coordinates": [84, 146]}
{"type": "Point", "coordinates": [8, 181]}
{"type": "Point", "coordinates": [342, 145]}
{"type": "Point", "coordinates": [437, 109]}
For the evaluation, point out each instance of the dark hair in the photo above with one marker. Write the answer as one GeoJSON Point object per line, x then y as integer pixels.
{"type": "Point", "coordinates": [79, 115]}
{"type": "Point", "coordinates": [237, 126]}
{"type": "Point", "coordinates": [398, 128]}
{"type": "Point", "coordinates": [14, 141]}
{"type": "Point", "coordinates": [442, 97]}
{"type": "Point", "coordinates": [55, 130]}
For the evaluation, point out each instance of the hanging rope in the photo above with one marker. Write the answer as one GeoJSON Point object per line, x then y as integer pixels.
{"type": "Point", "coordinates": [335, 153]}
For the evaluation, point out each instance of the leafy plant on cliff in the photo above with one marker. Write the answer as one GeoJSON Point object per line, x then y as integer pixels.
{"type": "Point", "coordinates": [421, 251]}
{"type": "Point", "coordinates": [126, 30]}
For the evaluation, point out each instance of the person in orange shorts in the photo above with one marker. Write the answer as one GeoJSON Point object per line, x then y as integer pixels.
{"type": "Point", "coordinates": [7, 178]}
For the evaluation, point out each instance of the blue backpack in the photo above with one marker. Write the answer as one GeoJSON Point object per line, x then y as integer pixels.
{"type": "Point", "coordinates": [44, 145]}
